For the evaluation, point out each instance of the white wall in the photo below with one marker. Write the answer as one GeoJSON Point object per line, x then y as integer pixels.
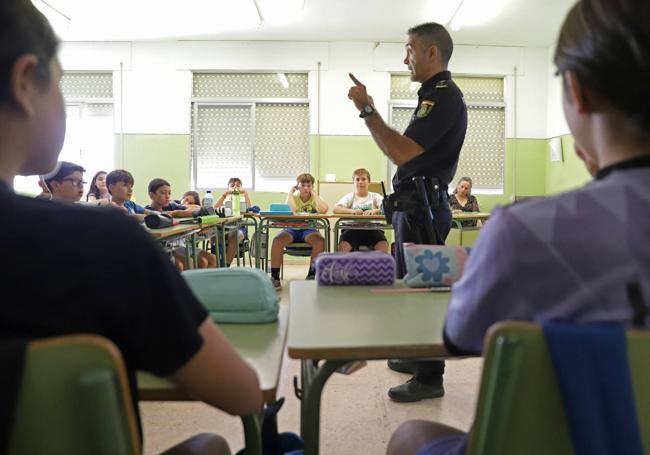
{"type": "Point", "coordinates": [555, 121]}
{"type": "Point", "coordinates": [157, 78]}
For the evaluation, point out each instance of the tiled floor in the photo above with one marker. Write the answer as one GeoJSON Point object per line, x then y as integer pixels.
{"type": "Point", "coordinates": [357, 417]}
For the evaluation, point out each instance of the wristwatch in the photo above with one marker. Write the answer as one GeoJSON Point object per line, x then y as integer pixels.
{"type": "Point", "coordinates": [367, 110]}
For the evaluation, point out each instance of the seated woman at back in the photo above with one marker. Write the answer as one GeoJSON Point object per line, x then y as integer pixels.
{"type": "Point", "coordinates": [462, 200]}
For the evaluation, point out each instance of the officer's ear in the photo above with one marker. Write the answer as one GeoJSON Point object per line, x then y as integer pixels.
{"type": "Point", "coordinates": [434, 53]}
{"type": "Point", "coordinates": [577, 93]}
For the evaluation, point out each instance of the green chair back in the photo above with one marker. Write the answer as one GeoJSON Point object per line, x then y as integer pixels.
{"type": "Point", "coordinates": [74, 399]}
{"type": "Point", "coordinates": [520, 408]}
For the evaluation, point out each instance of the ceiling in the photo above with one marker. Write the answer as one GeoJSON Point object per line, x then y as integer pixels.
{"type": "Point", "coordinates": [518, 23]}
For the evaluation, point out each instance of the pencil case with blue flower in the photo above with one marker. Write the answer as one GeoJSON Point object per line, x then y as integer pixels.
{"type": "Point", "coordinates": [358, 268]}
{"type": "Point", "coordinates": [433, 265]}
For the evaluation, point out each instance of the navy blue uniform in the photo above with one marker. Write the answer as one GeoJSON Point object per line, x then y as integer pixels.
{"type": "Point", "coordinates": [438, 125]}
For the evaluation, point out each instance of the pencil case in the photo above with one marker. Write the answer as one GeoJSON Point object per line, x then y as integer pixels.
{"type": "Point", "coordinates": [433, 265]}
{"type": "Point", "coordinates": [235, 295]}
{"type": "Point", "coordinates": [358, 268]}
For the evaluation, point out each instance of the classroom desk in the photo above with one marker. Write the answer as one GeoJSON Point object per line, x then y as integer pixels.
{"type": "Point", "coordinates": [458, 218]}
{"type": "Point", "coordinates": [217, 230]}
{"type": "Point", "coordinates": [374, 223]}
{"type": "Point", "coordinates": [339, 324]}
{"type": "Point", "coordinates": [268, 222]}
{"type": "Point", "coordinates": [171, 236]}
{"type": "Point", "coordinates": [261, 345]}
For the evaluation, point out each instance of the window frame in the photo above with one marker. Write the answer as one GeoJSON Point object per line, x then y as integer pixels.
{"type": "Point", "coordinates": [238, 101]}
{"type": "Point", "coordinates": [412, 104]}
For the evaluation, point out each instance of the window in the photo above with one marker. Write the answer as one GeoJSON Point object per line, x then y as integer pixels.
{"type": "Point", "coordinates": [483, 154]}
{"type": "Point", "coordinates": [250, 126]}
{"type": "Point", "coordinates": [89, 136]}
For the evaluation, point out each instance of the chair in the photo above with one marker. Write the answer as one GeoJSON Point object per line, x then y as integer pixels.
{"type": "Point", "coordinates": [297, 250]}
{"type": "Point", "coordinates": [74, 398]}
{"type": "Point", "coordinates": [520, 408]}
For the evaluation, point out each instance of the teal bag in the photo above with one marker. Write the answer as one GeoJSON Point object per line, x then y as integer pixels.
{"type": "Point", "coordinates": [236, 295]}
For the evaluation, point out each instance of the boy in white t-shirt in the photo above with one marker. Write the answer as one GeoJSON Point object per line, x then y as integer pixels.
{"type": "Point", "coordinates": [235, 236]}
{"type": "Point", "coordinates": [361, 202]}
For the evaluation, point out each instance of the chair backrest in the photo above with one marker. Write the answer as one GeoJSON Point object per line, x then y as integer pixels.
{"type": "Point", "coordinates": [74, 398]}
{"type": "Point", "coordinates": [520, 408]}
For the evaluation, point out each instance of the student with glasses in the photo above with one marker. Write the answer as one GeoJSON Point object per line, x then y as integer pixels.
{"type": "Point", "coordinates": [65, 183]}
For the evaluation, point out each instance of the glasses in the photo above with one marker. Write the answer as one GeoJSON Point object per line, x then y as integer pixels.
{"type": "Point", "coordinates": [75, 182]}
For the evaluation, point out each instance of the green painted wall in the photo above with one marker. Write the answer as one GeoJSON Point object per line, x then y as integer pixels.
{"type": "Point", "coordinates": [568, 174]}
{"type": "Point", "coordinates": [341, 155]}
{"type": "Point", "coordinates": [148, 156]}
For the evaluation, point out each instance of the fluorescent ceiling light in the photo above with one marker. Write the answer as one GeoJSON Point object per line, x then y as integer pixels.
{"type": "Point", "coordinates": [59, 19]}
{"type": "Point", "coordinates": [441, 11]}
{"type": "Point", "coordinates": [475, 12]}
{"type": "Point", "coordinates": [278, 12]}
{"type": "Point", "coordinates": [153, 19]}
{"type": "Point", "coordinates": [283, 80]}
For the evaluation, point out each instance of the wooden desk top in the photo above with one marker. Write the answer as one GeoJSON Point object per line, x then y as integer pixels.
{"type": "Point", "coordinates": [303, 216]}
{"type": "Point", "coordinates": [173, 230]}
{"type": "Point", "coordinates": [471, 216]}
{"type": "Point", "coordinates": [261, 345]}
{"type": "Point", "coordinates": [351, 323]}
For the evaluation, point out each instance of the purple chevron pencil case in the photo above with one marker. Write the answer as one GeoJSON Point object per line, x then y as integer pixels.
{"type": "Point", "coordinates": [360, 268]}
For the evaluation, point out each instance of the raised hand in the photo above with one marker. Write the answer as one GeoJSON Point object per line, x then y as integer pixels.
{"type": "Point", "coordinates": [358, 93]}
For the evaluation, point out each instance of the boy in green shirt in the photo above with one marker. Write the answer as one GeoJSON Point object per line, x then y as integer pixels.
{"type": "Point", "coordinates": [301, 198]}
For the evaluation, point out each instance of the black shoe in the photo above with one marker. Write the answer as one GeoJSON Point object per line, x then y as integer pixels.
{"type": "Point", "coordinates": [414, 390]}
{"type": "Point", "coordinates": [402, 365]}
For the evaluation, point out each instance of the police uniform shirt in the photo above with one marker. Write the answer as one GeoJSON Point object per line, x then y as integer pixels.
{"type": "Point", "coordinates": [581, 256]}
{"type": "Point", "coordinates": [438, 125]}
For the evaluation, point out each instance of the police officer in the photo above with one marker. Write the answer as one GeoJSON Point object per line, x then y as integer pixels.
{"type": "Point", "coordinates": [429, 148]}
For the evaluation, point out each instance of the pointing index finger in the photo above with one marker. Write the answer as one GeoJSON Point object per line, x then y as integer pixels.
{"type": "Point", "coordinates": [355, 80]}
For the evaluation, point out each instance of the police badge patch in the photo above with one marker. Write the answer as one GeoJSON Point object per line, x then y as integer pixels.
{"type": "Point", "coordinates": [425, 108]}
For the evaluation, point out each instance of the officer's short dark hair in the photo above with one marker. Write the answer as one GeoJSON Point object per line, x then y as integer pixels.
{"type": "Point", "coordinates": [606, 44]}
{"type": "Point", "coordinates": [119, 175]}
{"type": "Point", "coordinates": [24, 30]}
{"type": "Point", "coordinates": [434, 34]}
{"type": "Point", "coordinates": [157, 183]}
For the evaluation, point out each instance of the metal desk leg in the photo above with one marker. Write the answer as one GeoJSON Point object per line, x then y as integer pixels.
{"type": "Point", "coordinates": [336, 233]}
{"type": "Point", "coordinates": [253, 434]}
{"type": "Point", "coordinates": [222, 245]}
{"type": "Point", "coordinates": [237, 247]}
{"type": "Point", "coordinates": [313, 378]}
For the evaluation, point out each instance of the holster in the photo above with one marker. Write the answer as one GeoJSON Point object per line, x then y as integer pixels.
{"type": "Point", "coordinates": [421, 193]}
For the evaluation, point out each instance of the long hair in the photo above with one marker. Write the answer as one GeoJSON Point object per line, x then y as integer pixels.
{"type": "Point", "coordinates": [93, 186]}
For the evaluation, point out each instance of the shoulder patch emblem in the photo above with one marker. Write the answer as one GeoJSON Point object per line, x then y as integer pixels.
{"type": "Point", "coordinates": [441, 84]}
{"type": "Point", "coordinates": [425, 108]}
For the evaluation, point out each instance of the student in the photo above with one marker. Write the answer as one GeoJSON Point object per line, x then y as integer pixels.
{"type": "Point", "coordinates": [120, 186]}
{"type": "Point", "coordinates": [139, 301]}
{"type": "Point", "coordinates": [235, 236]}
{"type": "Point", "coordinates": [361, 202]}
{"type": "Point", "coordinates": [65, 183]}
{"type": "Point", "coordinates": [191, 198]}
{"type": "Point", "coordinates": [301, 198]}
{"type": "Point", "coordinates": [98, 191]}
{"type": "Point", "coordinates": [583, 255]}
{"type": "Point", "coordinates": [160, 192]}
